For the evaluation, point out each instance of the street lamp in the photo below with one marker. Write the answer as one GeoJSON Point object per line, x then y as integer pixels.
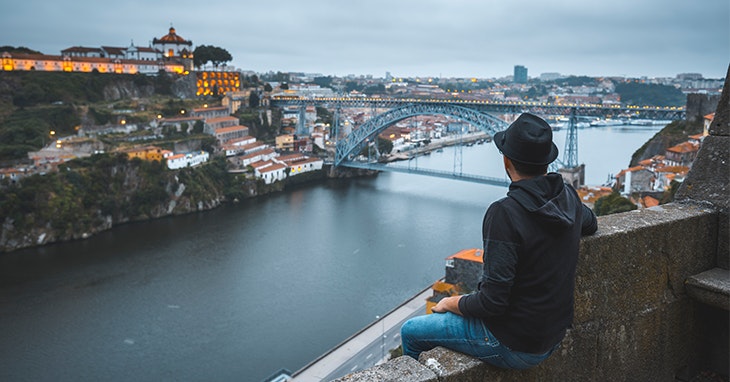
{"type": "Point", "coordinates": [382, 336]}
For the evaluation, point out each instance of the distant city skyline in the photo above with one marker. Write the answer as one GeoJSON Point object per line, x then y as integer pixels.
{"type": "Point", "coordinates": [408, 38]}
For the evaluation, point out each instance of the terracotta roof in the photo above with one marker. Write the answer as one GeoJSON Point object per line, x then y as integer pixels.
{"type": "Point", "coordinates": [172, 37]}
{"type": "Point", "coordinates": [81, 49]}
{"type": "Point", "coordinates": [260, 152]}
{"type": "Point", "coordinates": [684, 147]}
{"type": "Point", "coordinates": [222, 130]}
{"type": "Point", "coordinates": [649, 201]}
{"type": "Point", "coordinates": [472, 254]}
{"type": "Point", "coordinates": [221, 119]}
{"type": "Point", "coordinates": [114, 50]}
{"type": "Point", "coordinates": [272, 167]}
{"type": "Point", "coordinates": [253, 145]}
{"type": "Point", "coordinates": [710, 116]}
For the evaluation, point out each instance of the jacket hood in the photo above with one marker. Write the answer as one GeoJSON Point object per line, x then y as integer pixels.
{"type": "Point", "coordinates": [547, 197]}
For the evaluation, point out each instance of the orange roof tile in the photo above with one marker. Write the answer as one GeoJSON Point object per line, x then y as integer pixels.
{"type": "Point", "coordinates": [221, 119]}
{"type": "Point", "coordinates": [222, 130]}
{"type": "Point", "coordinates": [473, 254]}
{"type": "Point", "coordinates": [684, 147]}
{"type": "Point", "coordinates": [650, 201]}
{"type": "Point", "coordinates": [273, 167]}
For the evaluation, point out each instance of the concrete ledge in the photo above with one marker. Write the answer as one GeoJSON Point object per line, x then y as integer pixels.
{"type": "Point", "coordinates": [711, 287]}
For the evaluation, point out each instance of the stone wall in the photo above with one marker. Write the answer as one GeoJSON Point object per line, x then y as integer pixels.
{"type": "Point", "coordinates": [633, 320]}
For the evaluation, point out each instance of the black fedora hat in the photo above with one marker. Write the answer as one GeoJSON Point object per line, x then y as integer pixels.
{"type": "Point", "coordinates": [529, 139]}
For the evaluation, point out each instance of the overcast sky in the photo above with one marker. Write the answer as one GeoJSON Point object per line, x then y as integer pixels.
{"type": "Point", "coordinates": [446, 38]}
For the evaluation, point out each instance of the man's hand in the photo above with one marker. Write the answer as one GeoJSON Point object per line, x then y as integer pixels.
{"type": "Point", "coordinates": [448, 304]}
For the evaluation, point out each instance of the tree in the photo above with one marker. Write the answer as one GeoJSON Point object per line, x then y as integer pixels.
{"type": "Point", "coordinates": [612, 204]}
{"type": "Point", "coordinates": [384, 146]}
{"type": "Point", "coordinates": [208, 53]}
{"type": "Point", "coordinates": [253, 99]}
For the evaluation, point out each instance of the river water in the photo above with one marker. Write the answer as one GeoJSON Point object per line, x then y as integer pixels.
{"type": "Point", "coordinates": [236, 293]}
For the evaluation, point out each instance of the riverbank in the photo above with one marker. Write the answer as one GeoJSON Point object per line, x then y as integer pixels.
{"type": "Point", "coordinates": [436, 144]}
{"type": "Point", "coordinates": [93, 195]}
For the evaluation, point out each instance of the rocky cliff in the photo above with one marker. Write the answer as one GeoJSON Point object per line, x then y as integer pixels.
{"type": "Point", "coordinates": [89, 196]}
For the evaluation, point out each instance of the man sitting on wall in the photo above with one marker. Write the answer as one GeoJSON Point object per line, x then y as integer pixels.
{"type": "Point", "coordinates": [524, 302]}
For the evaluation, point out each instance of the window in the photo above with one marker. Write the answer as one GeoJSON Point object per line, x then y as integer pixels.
{"type": "Point", "coordinates": [450, 263]}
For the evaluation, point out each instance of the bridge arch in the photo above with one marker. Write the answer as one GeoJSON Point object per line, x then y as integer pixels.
{"type": "Point", "coordinates": [346, 147]}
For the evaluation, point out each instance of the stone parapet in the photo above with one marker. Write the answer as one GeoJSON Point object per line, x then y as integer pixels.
{"type": "Point", "coordinates": [632, 313]}
{"type": "Point", "coordinates": [651, 290]}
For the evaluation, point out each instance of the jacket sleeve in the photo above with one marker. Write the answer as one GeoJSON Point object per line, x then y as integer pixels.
{"type": "Point", "coordinates": [500, 264]}
{"type": "Point", "coordinates": [589, 223]}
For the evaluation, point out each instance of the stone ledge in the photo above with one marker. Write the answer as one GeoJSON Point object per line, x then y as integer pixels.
{"type": "Point", "coordinates": [401, 369]}
{"type": "Point", "coordinates": [711, 287]}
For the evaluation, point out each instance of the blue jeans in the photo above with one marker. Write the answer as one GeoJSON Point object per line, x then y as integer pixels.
{"type": "Point", "coordinates": [466, 335]}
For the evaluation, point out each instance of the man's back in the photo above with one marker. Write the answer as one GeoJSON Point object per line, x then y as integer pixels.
{"type": "Point", "coordinates": [531, 242]}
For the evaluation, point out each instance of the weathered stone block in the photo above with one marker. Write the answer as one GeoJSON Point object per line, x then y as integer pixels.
{"type": "Point", "coordinates": [401, 369]}
{"type": "Point", "coordinates": [711, 287]}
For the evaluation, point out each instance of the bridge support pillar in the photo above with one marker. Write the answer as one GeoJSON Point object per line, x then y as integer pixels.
{"type": "Point", "coordinates": [575, 176]}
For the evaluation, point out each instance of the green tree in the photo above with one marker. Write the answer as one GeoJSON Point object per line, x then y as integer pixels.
{"type": "Point", "coordinates": [385, 146]}
{"type": "Point", "coordinates": [612, 204]}
{"type": "Point", "coordinates": [253, 99]}
{"type": "Point", "coordinates": [209, 53]}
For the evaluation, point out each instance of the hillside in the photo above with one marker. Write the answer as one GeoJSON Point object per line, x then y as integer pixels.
{"type": "Point", "coordinates": [672, 134]}
{"type": "Point", "coordinates": [32, 104]}
{"type": "Point", "coordinates": [94, 194]}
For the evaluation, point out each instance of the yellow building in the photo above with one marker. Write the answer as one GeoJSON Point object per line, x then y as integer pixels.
{"type": "Point", "coordinates": [149, 153]}
{"type": "Point", "coordinates": [217, 83]}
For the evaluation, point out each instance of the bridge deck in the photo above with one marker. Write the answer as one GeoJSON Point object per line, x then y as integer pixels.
{"type": "Point", "coordinates": [437, 173]}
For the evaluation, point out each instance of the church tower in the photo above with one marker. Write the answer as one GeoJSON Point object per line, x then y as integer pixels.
{"type": "Point", "coordinates": [174, 47]}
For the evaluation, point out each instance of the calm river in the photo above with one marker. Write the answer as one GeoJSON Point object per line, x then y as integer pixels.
{"type": "Point", "coordinates": [239, 292]}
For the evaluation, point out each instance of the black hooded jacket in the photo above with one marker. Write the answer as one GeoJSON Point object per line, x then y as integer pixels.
{"type": "Point", "coordinates": [531, 240]}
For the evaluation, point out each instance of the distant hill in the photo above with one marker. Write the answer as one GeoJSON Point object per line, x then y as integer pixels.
{"type": "Point", "coordinates": [636, 93]}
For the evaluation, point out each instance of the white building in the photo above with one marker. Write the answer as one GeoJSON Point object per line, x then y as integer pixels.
{"type": "Point", "coordinates": [178, 161]}
{"type": "Point", "coordinates": [299, 164]}
{"type": "Point", "coordinates": [269, 171]}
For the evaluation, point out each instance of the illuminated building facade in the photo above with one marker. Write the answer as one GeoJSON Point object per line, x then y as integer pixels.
{"type": "Point", "coordinates": [217, 83]}
{"type": "Point", "coordinates": [170, 53]}
{"type": "Point", "coordinates": [173, 46]}
{"type": "Point", "coordinates": [50, 63]}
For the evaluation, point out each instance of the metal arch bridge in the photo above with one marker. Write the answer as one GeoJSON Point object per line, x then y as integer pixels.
{"type": "Point", "coordinates": [346, 147]}
{"type": "Point", "coordinates": [474, 112]}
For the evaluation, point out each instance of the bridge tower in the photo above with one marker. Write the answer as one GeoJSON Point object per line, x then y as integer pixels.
{"type": "Point", "coordinates": [572, 173]}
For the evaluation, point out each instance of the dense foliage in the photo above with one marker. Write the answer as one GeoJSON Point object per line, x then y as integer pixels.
{"type": "Point", "coordinates": [32, 104]}
{"type": "Point", "coordinates": [84, 192]}
{"type": "Point", "coordinates": [39, 87]}
{"type": "Point", "coordinates": [209, 53]}
{"type": "Point", "coordinates": [612, 204]}
{"type": "Point", "coordinates": [637, 93]}
{"type": "Point", "coordinates": [672, 134]}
